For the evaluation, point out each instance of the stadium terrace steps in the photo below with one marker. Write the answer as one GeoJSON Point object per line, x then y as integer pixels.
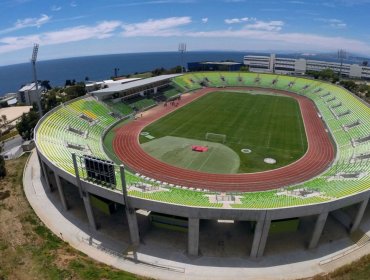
{"type": "Point", "coordinates": [53, 136]}
{"type": "Point", "coordinates": [120, 107]}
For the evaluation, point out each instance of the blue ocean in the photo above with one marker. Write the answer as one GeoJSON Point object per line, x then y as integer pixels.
{"type": "Point", "coordinates": [101, 67]}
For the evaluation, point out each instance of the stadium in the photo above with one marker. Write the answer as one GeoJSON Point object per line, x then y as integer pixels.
{"type": "Point", "coordinates": [275, 152]}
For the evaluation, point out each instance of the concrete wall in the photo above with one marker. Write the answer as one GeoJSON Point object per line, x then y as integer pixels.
{"type": "Point", "coordinates": [300, 66]}
{"type": "Point", "coordinates": [355, 71]}
{"type": "Point", "coordinates": [211, 213]}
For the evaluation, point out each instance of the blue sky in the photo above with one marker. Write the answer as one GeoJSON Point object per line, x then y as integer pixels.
{"type": "Point", "coordinates": [75, 28]}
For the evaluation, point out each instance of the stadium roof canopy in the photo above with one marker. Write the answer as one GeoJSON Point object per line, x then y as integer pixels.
{"type": "Point", "coordinates": [132, 85]}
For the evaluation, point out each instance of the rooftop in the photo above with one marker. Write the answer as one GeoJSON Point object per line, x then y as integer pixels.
{"type": "Point", "coordinates": [134, 84]}
{"type": "Point", "coordinates": [28, 87]}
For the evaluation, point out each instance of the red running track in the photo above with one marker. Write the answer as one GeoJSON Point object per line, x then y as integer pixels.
{"type": "Point", "coordinates": [319, 155]}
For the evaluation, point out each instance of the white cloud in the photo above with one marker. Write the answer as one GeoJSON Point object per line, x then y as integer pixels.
{"type": "Point", "coordinates": [238, 20]}
{"type": "Point", "coordinates": [268, 39]}
{"type": "Point", "coordinates": [273, 25]}
{"type": "Point", "coordinates": [205, 20]}
{"type": "Point", "coordinates": [100, 31]}
{"type": "Point", "coordinates": [296, 2]}
{"type": "Point", "coordinates": [73, 4]}
{"type": "Point", "coordinates": [336, 23]}
{"type": "Point", "coordinates": [234, 1]}
{"type": "Point", "coordinates": [55, 8]}
{"type": "Point", "coordinates": [159, 27]}
{"type": "Point", "coordinates": [333, 23]}
{"type": "Point", "coordinates": [27, 22]}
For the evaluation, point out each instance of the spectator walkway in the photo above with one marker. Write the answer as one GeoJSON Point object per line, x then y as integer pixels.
{"type": "Point", "coordinates": [164, 262]}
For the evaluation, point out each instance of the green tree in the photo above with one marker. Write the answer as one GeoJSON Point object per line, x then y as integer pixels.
{"type": "Point", "coordinates": [46, 84]}
{"type": "Point", "coordinates": [158, 71]}
{"type": "Point", "coordinates": [314, 74]}
{"type": "Point", "coordinates": [5, 120]}
{"type": "Point", "coordinates": [2, 163]}
{"type": "Point", "coordinates": [2, 167]}
{"type": "Point", "coordinates": [27, 124]}
{"type": "Point", "coordinates": [50, 101]}
{"type": "Point", "coordinates": [327, 74]}
{"type": "Point", "coordinates": [350, 85]}
{"type": "Point", "coordinates": [244, 68]}
{"type": "Point", "coordinates": [75, 91]}
{"type": "Point", "coordinates": [364, 89]}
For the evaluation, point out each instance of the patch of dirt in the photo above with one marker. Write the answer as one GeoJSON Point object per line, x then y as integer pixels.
{"type": "Point", "coordinates": [63, 259]}
{"type": "Point", "coordinates": [4, 195]}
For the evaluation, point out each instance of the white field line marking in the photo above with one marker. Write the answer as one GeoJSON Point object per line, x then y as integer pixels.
{"type": "Point", "coordinates": [209, 156]}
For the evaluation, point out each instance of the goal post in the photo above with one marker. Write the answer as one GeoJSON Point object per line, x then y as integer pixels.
{"type": "Point", "coordinates": [215, 137]}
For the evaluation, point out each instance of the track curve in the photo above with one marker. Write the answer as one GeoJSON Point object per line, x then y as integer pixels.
{"type": "Point", "coordinates": [319, 155]}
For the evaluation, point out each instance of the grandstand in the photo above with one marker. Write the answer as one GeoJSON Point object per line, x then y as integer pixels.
{"type": "Point", "coordinates": [54, 130]}
{"type": "Point", "coordinates": [77, 128]}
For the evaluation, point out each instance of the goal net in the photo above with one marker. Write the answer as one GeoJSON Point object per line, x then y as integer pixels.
{"type": "Point", "coordinates": [215, 137]}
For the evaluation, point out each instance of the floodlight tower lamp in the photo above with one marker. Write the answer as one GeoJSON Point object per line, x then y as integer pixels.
{"type": "Point", "coordinates": [182, 50]}
{"type": "Point", "coordinates": [33, 61]}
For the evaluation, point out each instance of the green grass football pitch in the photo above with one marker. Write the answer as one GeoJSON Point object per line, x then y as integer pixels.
{"type": "Point", "coordinates": [269, 125]}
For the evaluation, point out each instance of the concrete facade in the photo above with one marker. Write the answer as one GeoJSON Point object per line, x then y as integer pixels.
{"type": "Point", "coordinates": [282, 65]}
{"type": "Point", "coordinates": [262, 217]}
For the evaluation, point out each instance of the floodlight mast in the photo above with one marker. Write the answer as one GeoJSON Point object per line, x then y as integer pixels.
{"type": "Point", "coordinates": [33, 61]}
{"type": "Point", "coordinates": [342, 54]}
{"type": "Point", "coordinates": [182, 50]}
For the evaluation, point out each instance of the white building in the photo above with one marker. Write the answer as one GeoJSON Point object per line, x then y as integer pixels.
{"type": "Point", "coordinates": [280, 65]}
{"type": "Point", "coordinates": [28, 94]}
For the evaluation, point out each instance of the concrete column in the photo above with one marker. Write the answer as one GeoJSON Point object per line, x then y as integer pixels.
{"type": "Point", "coordinates": [61, 192]}
{"type": "Point", "coordinates": [193, 236]}
{"type": "Point", "coordinates": [89, 210]}
{"type": "Point", "coordinates": [260, 237]}
{"type": "Point", "coordinates": [133, 226]}
{"type": "Point", "coordinates": [359, 215]}
{"type": "Point", "coordinates": [79, 185]}
{"type": "Point", "coordinates": [123, 181]}
{"type": "Point", "coordinates": [319, 226]}
{"type": "Point", "coordinates": [40, 162]}
{"type": "Point", "coordinates": [44, 173]}
{"type": "Point", "coordinates": [342, 217]}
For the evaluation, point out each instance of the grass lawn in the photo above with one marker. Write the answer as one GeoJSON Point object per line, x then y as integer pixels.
{"type": "Point", "coordinates": [269, 125]}
{"type": "Point", "coordinates": [29, 250]}
{"type": "Point", "coordinates": [176, 151]}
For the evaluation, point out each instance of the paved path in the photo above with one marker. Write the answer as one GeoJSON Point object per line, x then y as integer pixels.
{"type": "Point", "coordinates": [12, 143]}
{"type": "Point", "coordinates": [292, 265]}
